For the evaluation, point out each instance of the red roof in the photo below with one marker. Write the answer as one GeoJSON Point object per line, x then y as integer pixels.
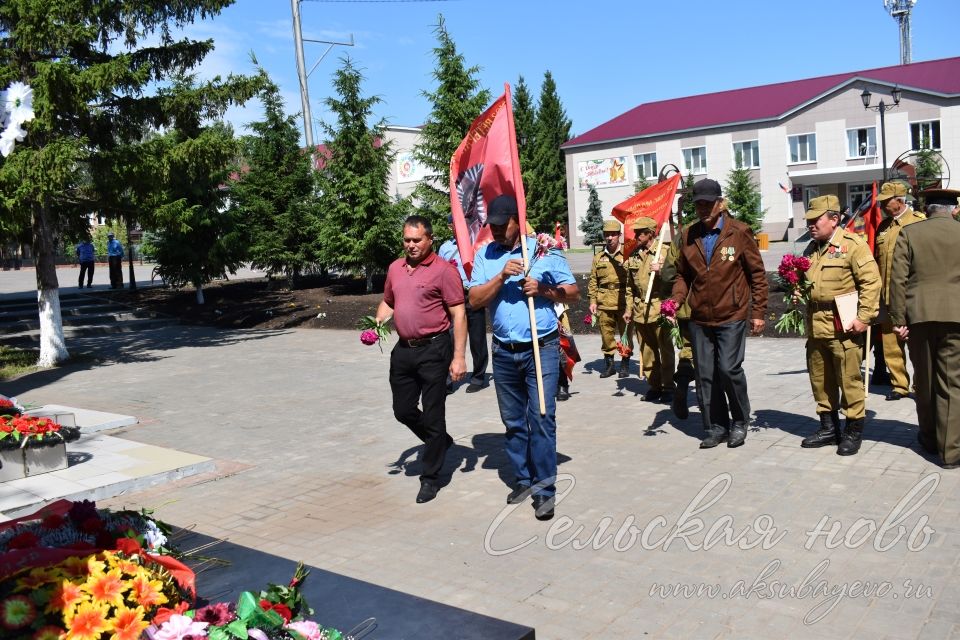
{"type": "Point", "coordinates": [767, 102]}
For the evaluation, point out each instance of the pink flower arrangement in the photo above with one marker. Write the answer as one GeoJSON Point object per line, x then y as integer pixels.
{"type": "Point", "coordinates": [547, 243]}
{"type": "Point", "coordinates": [590, 320]}
{"type": "Point", "coordinates": [373, 332]}
{"type": "Point", "coordinates": [668, 320]}
{"type": "Point", "coordinates": [790, 275]}
{"type": "Point", "coordinates": [369, 336]}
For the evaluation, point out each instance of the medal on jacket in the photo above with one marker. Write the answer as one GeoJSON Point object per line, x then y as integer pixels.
{"type": "Point", "coordinates": [729, 251]}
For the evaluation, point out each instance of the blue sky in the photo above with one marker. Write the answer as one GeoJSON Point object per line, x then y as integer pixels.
{"type": "Point", "coordinates": [605, 57]}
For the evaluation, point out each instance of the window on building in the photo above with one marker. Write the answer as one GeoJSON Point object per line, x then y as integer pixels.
{"type": "Point", "coordinates": [695, 160]}
{"type": "Point", "coordinates": [747, 154]}
{"type": "Point", "coordinates": [862, 143]}
{"type": "Point", "coordinates": [646, 165]}
{"type": "Point", "coordinates": [857, 194]}
{"type": "Point", "coordinates": [925, 135]}
{"type": "Point", "coordinates": [803, 148]}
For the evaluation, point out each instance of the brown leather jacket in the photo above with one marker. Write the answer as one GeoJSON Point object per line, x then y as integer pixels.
{"type": "Point", "coordinates": [733, 286]}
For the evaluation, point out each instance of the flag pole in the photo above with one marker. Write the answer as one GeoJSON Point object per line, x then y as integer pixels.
{"type": "Point", "coordinates": [656, 258]}
{"type": "Point", "coordinates": [522, 206]}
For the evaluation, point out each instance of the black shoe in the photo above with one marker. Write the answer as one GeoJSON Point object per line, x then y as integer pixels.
{"type": "Point", "coordinates": [563, 394]}
{"type": "Point", "coordinates": [666, 396]}
{"type": "Point", "coordinates": [714, 437]}
{"type": "Point", "coordinates": [520, 493]}
{"type": "Point", "coordinates": [895, 395]}
{"type": "Point", "coordinates": [652, 395]}
{"type": "Point", "coordinates": [428, 491]}
{"type": "Point", "coordinates": [738, 434]}
{"type": "Point", "coordinates": [624, 368]}
{"type": "Point", "coordinates": [608, 369]}
{"type": "Point", "coordinates": [473, 387]}
{"type": "Point", "coordinates": [679, 401]}
{"type": "Point", "coordinates": [851, 438]}
{"type": "Point", "coordinates": [543, 507]}
{"type": "Point", "coordinates": [827, 434]}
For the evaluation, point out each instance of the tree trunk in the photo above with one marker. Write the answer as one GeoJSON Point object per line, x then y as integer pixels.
{"type": "Point", "coordinates": [53, 348]}
{"type": "Point", "coordinates": [200, 294]}
{"type": "Point", "coordinates": [133, 277]}
{"type": "Point", "coordinates": [369, 279]}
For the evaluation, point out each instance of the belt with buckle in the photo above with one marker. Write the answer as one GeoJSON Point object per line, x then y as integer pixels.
{"type": "Point", "coordinates": [419, 342]}
{"type": "Point", "coordinates": [822, 306]}
{"type": "Point", "coordinates": [517, 347]}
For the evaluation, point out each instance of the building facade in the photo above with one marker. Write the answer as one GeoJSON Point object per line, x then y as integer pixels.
{"type": "Point", "coordinates": [799, 139]}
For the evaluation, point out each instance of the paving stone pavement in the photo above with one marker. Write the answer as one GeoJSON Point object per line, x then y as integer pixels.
{"type": "Point", "coordinates": [313, 466]}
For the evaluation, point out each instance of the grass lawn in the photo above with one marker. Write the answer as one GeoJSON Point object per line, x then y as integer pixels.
{"type": "Point", "coordinates": [16, 362]}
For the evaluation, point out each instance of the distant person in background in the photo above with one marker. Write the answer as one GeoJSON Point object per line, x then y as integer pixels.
{"type": "Point", "coordinates": [85, 256]}
{"type": "Point", "coordinates": [115, 260]}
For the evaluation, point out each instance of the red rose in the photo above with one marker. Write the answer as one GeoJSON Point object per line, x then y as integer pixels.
{"type": "Point", "coordinates": [282, 609]}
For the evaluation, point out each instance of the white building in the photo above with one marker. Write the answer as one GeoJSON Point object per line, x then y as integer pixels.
{"type": "Point", "coordinates": [800, 139]}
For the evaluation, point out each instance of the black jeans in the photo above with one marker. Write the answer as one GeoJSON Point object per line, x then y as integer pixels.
{"type": "Point", "coordinates": [718, 354]}
{"type": "Point", "coordinates": [419, 375]}
{"type": "Point", "coordinates": [86, 268]}
{"type": "Point", "coordinates": [477, 331]}
{"type": "Point", "coordinates": [116, 271]}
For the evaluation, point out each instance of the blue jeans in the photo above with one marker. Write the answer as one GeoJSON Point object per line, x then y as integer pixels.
{"type": "Point", "coordinates": [531, 439]}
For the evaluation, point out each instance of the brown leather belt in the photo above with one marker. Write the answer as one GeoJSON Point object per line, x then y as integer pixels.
{"type": "Point", "coordinates": [822, 306]}
{"type": "Point", "coordinates": [419, 342]}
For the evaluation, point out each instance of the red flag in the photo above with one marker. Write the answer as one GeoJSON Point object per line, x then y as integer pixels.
{"type": "Point", "coordinates": [653, 202]}
{"type": "Point", "coordinates": [557, 236]}
{"type": "Point", "coordinates": [484, 166]}
{"type": "Point", "coordinates": [866, 223]}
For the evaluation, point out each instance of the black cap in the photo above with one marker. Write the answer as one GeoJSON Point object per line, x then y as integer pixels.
{"type": "Point", "coordinates": [945, 197]}
{"type": "Point", "coordinates": [706, 190]}
{"type": "Point", "coordinates": [502, 209]}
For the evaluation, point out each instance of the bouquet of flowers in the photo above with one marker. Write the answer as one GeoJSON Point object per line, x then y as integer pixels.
{"type": "Point", "coordinates": [547, 243]}
{"type": "Point", "coordinates": [668, 320]}
{"type": "Point", "coordinates": [623, 344]}
{"type": "Point", "coordinates": [373, 332]}
{"type": "Point", "coordinates": [590, 320]}
{"type": "Point", "coordinates": [791, 277]}
{"type": "Point", "coordinates": [16, 108]}
{"type": "Point", "coordinates": [277, 613]}
{"type": "Point", "coordinates": [18, 431]}
{"type": "Point", "coordinates": [9, 406]}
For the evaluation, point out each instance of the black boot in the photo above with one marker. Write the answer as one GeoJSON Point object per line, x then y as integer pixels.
{"type": "Point", "coordinates": [715, 435]}
{"type": "Point", "coordinates": [679, 401]}
{"type": "Point", "coordinates": [624, 368]}
{"type": "Point", "coordinates": [608, 367]}
{"type": "Point", "coordinates": [850, 440]}
{"type": "Point", "coordinates": [563, 393]}
{"type": "Point", "coordinates": [828, 433]}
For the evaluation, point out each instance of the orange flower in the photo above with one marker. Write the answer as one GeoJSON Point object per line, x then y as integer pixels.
{"type": "Point", "coordinates": [33, 580]}
{"type": "Point", "coordinates": [64, 597]}
{"type": "Point", "coordinates": [106, 588]}
{"type": "Point", "coordinates": [147, 592]}
{"type": "Point", "coordinates": [75, 566]}
{"type": "Point", "coordinates": [128, 567]}
{"type": "Point", "coordinates": [128, 624]}
{"type": "Point", "coordinates": [88, 623]}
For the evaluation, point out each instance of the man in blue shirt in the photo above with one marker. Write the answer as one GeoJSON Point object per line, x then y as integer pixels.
{"type": "Point", "coordinates": [476, 321]}
{"type": "Point", "coordinates": [115, 260]}
{"type": "Point", "coordinates": [498, 281]}
{"type": "Point", "coordinates": [85, 256]}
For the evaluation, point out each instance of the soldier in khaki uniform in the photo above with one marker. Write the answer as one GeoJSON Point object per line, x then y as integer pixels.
{"type": "Point", "coordinates": [607, 293]}
{"type": "Point", "coordinates": [898, 214]}
{"type": "Point", "coordinates": [925, 310]}
{"type": "Point", "coordinates": [684, 374]}
{"type": "Point", "coordinates": [656, 348]}
{"type": "Point", "coordinates": [840, 262]}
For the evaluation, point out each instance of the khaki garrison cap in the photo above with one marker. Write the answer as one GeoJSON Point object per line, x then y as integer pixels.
{"type": "Point", "coordinates": [611, 226]}
{"type": "Point", "coordinates": [644, 223]}
{"type": "Point", "coordinates": [819, 206]}
{"type": "Point", "coordinates": [892, 190]}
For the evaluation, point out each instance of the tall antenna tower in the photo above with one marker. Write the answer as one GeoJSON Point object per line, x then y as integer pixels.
{"type": "Point", "coordinates": [900, 10]}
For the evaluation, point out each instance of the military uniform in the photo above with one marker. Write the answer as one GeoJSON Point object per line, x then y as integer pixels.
{"type": "Point", "coordinates": [684, 374]}
{"type": "Point", "coordinates": [925, 296]}
{"type": "Point", "coordinates": [607, 288]}
{"type": "Point", "coordinates": [840, 265]}
{"type": "Point", "coordinates": [894, 349]}
{"type": "Point", "coordinates": [656, 347]}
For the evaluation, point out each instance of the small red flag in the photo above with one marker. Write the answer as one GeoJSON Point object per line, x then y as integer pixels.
{"type": "Point", "coordinates": [653, 202]}
{"type": "Point", "coordinates": [866, 223]}
{"type": "Point", "coordinates": [484, 166]}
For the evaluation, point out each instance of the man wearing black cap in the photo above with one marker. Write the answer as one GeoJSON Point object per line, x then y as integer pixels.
{"type": "Point", "coordinates": [498, 281]}
{"type": "Point", "coordinates": [721, 275]}
{"type": "Point", "coordinates": [925, 311]}
{"type": "Point", "coordinates": [476, 319]}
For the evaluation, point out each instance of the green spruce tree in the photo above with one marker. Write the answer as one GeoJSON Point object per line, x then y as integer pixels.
{"type": "Point", "coordinates": [457, 101]}
{"type": "Point", "coordinates": [524, 121]}
{"type": "Point", "coordinates": [743, 197]}
{"type": "Point", "coordinates": [641, 184]}
{"type": "Point", "coordinates": [929, 172]}
{"type": "Point", "coordinates": [361, 223]}
{"type": "Point", "coordinates": [275, 194]}
{"type": "Point", "coordinates": [592, 225]}
{"type": "Point", "coordinates": [547, 191]}
{"type": "Point", "coordinates": [98, 90]}
{"type": "Point", "coordinates": [689, 211]}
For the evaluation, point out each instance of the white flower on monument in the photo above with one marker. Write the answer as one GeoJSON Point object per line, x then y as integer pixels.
{"type": "Point", "coordinates": [18, 102]}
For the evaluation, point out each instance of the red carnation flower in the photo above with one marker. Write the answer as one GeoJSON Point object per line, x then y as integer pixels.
{"type": "Point", "coordinates": [53, 521]}
{"type": "Point", "coordinates": [282, 609]}
{"type": "Point", "coordinates": [25, 540]}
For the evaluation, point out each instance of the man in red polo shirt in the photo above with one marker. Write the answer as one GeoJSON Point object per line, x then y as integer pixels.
{"type": "Point", "coordinates": [424, 295]}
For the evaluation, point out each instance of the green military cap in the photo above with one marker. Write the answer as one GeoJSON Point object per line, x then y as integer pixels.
{"type": "Point", "coordinates": [946, 197]}
{"type": "Point", "coordinates": [644, 223]}
{"type": "Point", "coordinates": [611, 226]}
{"type": "Point", "coordinates": [819, 206]}
{"type": "Point", "coordinates": [894, 189]}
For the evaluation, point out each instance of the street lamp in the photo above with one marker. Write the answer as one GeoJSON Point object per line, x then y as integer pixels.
{"type": "Point", "coordinates": [882, 107]}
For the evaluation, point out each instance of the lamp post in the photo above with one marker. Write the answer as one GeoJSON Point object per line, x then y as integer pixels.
{"type": "Point", "coordinates": [882, 108]}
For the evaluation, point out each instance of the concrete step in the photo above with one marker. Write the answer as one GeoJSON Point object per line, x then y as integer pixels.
{"type": "Point", "coordinates": [31, 337]}
{"type": "Point", "coordinates": [104, 319]}
{"type": "Point", "coordinates": [66, 302]}
{"type": "Point", "coordinates": [31, 313]}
